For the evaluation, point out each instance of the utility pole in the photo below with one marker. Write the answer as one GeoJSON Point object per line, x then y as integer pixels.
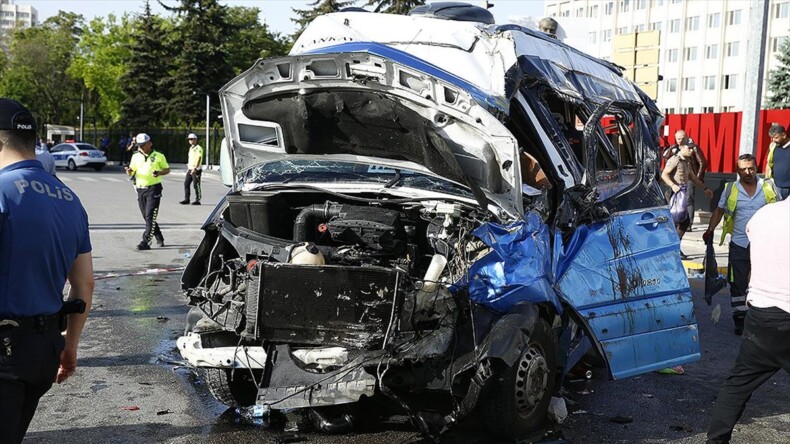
{"type": "Point", "coordinates": [755, 71]}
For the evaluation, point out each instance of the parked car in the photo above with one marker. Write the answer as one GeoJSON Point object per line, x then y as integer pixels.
{"type": "Point", "coordinates": [438, 215]}
{"type": "Point", "coordinates": [75, 155]}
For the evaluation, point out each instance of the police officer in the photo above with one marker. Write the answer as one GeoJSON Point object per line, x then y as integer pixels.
{"type": "Point", "coordinates": [43, 226]}
{"type": "Point", "coordinates": [194, 161]}
{"type": "Point", "coordinates": [148, 166]}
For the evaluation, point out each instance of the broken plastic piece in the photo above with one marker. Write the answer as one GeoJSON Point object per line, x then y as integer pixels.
{"type": "Point", "coordinates": [676, 370]}
{"type": "Point", "coordinates": [130, 408]}
{"type": "Point", "coordinates": [558, 412]}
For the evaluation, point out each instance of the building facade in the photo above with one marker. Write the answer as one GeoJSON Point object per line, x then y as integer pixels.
{"type": "Point", "coordinates": [12, 15]}
{"type": "Point", "coordinates": [702, 44]}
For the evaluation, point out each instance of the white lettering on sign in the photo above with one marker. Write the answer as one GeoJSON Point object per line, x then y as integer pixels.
{"type": "Point", "coordinates": [41, 188]}
{"type": "Point", "coordinates": [23, 127]}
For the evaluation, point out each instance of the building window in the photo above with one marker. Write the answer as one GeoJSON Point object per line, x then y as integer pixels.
{"type": "Point", "coordinates": [625, 5]}
{"type": "Point", "coordinates": [734, 17]}
{"type": "Point", "coordinates": [655, 26]}
{"type": "Point", "coordinates": [623, 30]}
{"type": "Point", "coordinates": [565, 14]}
{"type": "Point", "coordinates": [580, 12]}
{"type": "Point", "coordinates": [641, 4]}
{"type": "Point", "coordinates": [707, 109]}
{"type": "Point", "coordinates": [690, 54]}
{"type": "Point", "coordinates": [729, 81]}
{"type": "Point", "coordinates": [594, 11]}
{"type": "Point", "coordinates": [672, 85]}
{"type": "Point", "coordinates": [727, 109]}
{"type": "Point", "coordinates": [692, 23]}
{"type": "Point", "coordinates": [672, 56]}
{"type": "Point", "coordinates": [607, 35]}
{"type": "Point", "coordinates": [776, 43]}
{"type": "Point", "coordinates": [658, 2]}
{"type": "Point", "coordinates": [732, 49]}
{"type": "Point", "coordinates": [688, 110]}
{"type": "Point", "coordinates": [676, 1]}
{"type": "Point", "coordinates": [669, 110]}
{"type": "Point", "coordinates": [714, 20]}
{"type": "Point", "coordinates": [674, 26]}
{"type": "Point", "coordinates": [608, 8]}
{"type": "Point", "coordinates": [782, 10]}
{"type": "Point", "coordinates": [593, 36]}
{"type": "Point", "coordinates": [709, 83]}
{"type": "Point", "coordinates": [689, 84]}
{"type": "Point", "coordinates": [639, 28]}
{"type": "Point", "coordinates": [712, 51]}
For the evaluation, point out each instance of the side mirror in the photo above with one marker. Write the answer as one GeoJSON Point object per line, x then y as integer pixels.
{"type": "Point", "coordinates": [225, 164]}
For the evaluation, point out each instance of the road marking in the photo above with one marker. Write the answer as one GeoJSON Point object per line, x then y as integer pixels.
{"type": "Point", "coordinates": [89, 179]}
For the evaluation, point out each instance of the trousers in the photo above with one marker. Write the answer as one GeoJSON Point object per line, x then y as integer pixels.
{"type": "Point", "coordinates": [28, 365]}
{"type": "Point", "coordinates": [740, 267]}
{"type": "Point", "coordinates": [764, 351]}
{"type": "Point", "coordinates": [148, 200]}
{"type": "Point", "coordinates": [193, 180]}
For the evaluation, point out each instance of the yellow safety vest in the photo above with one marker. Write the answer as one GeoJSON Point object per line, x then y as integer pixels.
{"type": "Point", "coordinates": [732, 200]}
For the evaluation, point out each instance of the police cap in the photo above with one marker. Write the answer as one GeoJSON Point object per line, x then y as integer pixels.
{"type": "Point", "coordinates": [15, 117]}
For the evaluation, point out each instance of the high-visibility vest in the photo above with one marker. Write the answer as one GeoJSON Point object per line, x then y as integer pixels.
{"type": "Point", "coordinates": [731, 191]}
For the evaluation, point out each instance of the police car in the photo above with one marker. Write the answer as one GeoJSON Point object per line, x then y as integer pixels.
{"type": "Point", "coordinates": [75, 155]}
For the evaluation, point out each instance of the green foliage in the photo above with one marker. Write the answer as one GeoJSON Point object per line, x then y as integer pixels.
{"type": "Point", "coordinates": [779, 80]}
{"type": "Point", "coordinates": [252, 40]}
{"type": "Point", "coordinates": [319, 7]}
{"type": "Point", "coordinates": [395, 6]}
{"type": "Point", "coordinates": [100, 60]}
{"type": "Point", "coordinates": [144, 92]}
{"type": "Point", "coordinates": [35, 69]}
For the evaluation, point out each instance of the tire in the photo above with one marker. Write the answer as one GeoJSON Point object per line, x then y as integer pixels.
{"type": "Point", "coordinates": [234, 388]}
{"type": "Point", "coordinates": [517, 398]}
{"type": "Point", "coordinates": [71, 166]}
{"type": "Point", "coordinates": [98, 167]}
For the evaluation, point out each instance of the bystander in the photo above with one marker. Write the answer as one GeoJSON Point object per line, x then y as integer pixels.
{"type": "Point", "coordinates": [778, 167]}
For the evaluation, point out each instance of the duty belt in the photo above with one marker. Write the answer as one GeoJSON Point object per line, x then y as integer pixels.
{"type": "Point", "coordinates": [34, 324]}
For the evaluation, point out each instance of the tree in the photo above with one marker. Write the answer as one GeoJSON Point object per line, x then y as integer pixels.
{"type": "Point", "coordinates": [395, 6]}
{"type": "Point", "coordinates": [143, 91]}
{"type": "Point", "coordinates": [319, 7]}
{"type": "Point", "coordinates": [779, 80]}
{"type": "Point", "coordinates": [35, 69]}
{"type": "Point", "coordinates": [101, 61]}
{"type": "Point", "coordinates": [252, 40]}
{"type": "Point", "coordinates": [202, 62]}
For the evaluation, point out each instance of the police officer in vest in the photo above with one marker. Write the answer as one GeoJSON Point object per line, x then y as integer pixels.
{"type": "Point", "coordinates": [44, 241]}
{"type": "Point", "coordinates": [738, 203]}
{"type": "Point", "coordinates": [148, 166]}
{"type": "Point", "coordinates": [194, 171]}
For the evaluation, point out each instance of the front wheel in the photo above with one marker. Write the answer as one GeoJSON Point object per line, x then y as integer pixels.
{"type": "Point", "coordinates": [234, 388]}
{"type": "Point", "coordinates": [71, 166]}
{"type": "Point", "coordinates": [517, 397]}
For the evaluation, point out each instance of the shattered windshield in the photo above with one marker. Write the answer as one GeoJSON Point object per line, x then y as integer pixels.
{"type": "Point", "coordinates": [321, 171]}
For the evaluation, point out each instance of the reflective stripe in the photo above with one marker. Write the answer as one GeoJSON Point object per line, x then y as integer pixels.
{"type": "Point", "coordinates": [769, 191]}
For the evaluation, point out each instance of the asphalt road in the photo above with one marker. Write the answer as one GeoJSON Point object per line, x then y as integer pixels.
{"type": "Point", "coordinates": [131, 386]}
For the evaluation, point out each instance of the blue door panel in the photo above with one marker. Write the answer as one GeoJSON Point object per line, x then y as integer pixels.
{"type": "Point", "coordinates": [625, 278]}
{"type": "Point", "coordinates": [634, 355]}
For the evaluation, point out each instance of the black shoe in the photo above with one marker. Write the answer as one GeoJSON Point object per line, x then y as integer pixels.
{"type": "Point", "coordinates": [143, 247]}
{"type": "Point", "coordinates": [683, 256]}
{"type": "Point", "coordinates": [184, 202]}
{"type": "Point", "coordinates": [160, 242]}
{"type": "Point", "coordinates": [197, 202]}
{"type": "Point", "coordinates": [738, 326]}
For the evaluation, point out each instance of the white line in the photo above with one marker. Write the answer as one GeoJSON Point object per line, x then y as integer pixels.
{"type": "Point", "coordinates": [113, 179]}
{"type": "Point", "coordinates": [88, 179]}
{"type": "Point", "coordinates": [64, 179]}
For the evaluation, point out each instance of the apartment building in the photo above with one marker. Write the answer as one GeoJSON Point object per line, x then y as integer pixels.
{"type": "Point", "coordinates": [12, 15]}
{"type": "Point", "coordinates": [702, 44]}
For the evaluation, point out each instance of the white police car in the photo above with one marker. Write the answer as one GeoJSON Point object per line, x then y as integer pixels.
{"type": "Point", "coordinates": [75, 155]}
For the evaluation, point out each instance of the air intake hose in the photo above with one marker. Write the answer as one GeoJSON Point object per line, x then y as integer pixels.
{"type": "Point", "coordinates": [325, 211]}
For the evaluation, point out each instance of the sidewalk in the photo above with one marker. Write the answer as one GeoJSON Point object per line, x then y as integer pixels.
{"type": "Point", "coordinates": [693, 246]}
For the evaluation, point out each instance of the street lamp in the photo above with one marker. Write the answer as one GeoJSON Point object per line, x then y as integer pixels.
{"type": "Point", "coordinates": [208, 111]}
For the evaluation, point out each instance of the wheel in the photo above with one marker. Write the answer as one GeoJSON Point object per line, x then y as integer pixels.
{"type": "Point", "coordinates": [72, 166]}
{"type": "Point", "coordinates": [98, 167]}
{"type": "Point", "coordinates": [234, 388]}
{"type": "Point", "coordinates": [517, 397]}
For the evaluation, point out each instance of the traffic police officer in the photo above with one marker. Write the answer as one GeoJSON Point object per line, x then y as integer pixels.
{"type": "Point", "coordinates": [148, 166]}
{"type": "Point", "coordinates": [194, 172]}
{"type": "Point", "coordinates": [43, 226]}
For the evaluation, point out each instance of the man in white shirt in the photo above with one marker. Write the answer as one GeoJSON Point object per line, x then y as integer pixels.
{"type": "Point", "coordinates": [765, 348]}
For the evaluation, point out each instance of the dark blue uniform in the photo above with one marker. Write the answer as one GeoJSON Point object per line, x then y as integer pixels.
{"type": "Point", "coordinates": [43, 228]}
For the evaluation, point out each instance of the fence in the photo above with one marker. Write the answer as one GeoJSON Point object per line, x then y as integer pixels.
{"type": "Point", "coordinates": [172, 142]}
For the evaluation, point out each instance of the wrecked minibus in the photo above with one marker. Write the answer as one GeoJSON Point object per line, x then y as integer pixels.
{"type": "Point", "coordinates": [438, 215]}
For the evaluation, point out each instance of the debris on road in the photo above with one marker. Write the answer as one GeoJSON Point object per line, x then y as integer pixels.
{"type": "Point", "coordinates": [621, 419]}
{"type": "Point", "coordinates": [163, 412]}
{"type": "Point", "coordinates": [130, 408]}
{"type": "Point", "coordinates": [676, 370]}
{"type": "Point", "coordinates": [681, 428]}
{"type": "Point", "coordinates": [558, 412]}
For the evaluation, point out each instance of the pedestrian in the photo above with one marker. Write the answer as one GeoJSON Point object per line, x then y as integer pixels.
{"type": "Point", "coordinates": [47, 160]}
{"type": "Point", "coordinates": [148, 166]}
{"type": "Point", "coordinates": [765, 347]}
{"type": "Point", "coordinates": [104, 145]}
{"type": "Point", "coordinates": [697, 162]}
{"type": "Point", "coordinates": [778, 167]}
{"type": "Point", "coordinates": [678, 173]}
{"type": "Point", "coordinates": [738, 203]}
{"type": "Point", "coordinates": [44, 241]}
{"type": "Point", "coordinates": [194, 170]}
